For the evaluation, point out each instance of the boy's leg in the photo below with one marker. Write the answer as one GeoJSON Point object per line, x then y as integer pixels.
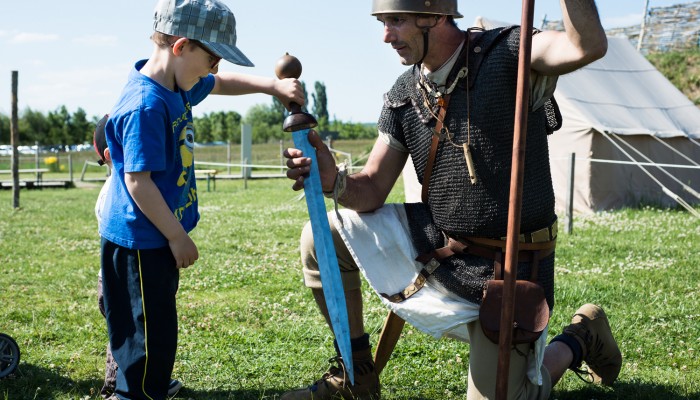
{"type": "Point", "coordinates": [110, 365]}
{"type": "Point", "coordinates": [110, 382]}
{"type": "Point", "coordinates": [139, 292]}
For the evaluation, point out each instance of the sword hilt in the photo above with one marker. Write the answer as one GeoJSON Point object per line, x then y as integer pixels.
{"type": "Point", "coordinates": [289, 66]}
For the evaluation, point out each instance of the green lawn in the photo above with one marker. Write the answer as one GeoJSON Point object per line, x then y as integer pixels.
{"type": "Point", "coordinates": [250, 330]}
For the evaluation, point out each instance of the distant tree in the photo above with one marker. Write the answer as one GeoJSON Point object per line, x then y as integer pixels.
{"type": "Point", "coordinates": [279, 108]}
{"type": "Point", "coordinates": [321, 106]}
{"type": "Point", "coordinates": [4, 129]}
{"type": "Point", "coordinates": [233, 127]}
{"type": "Point", "coordinates": [59, 128]}
{"type": "Point", "coordinates": [266, 123]}
{"type": "Point", "coordinates": [202, 129]}
{"type": "Point", "coordinates": [33, 127]}
{"type": "Point", "coordinates": [80, 129]}
{"type": "Point", "coordinates": [305, 108]}
{"type": "Point", "coordinates": [218, 126]}
{"type": "Point", "coordinates": [353, 130]}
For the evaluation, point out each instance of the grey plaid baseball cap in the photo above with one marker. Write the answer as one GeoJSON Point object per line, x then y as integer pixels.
{"type": "Point", "coordinates": [208, 21]}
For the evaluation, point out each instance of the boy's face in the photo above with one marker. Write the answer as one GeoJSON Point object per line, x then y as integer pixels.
{"type": "Point", "coordinates": [196, 62]}
{"type": "Point", "coordinates": [214, 60]}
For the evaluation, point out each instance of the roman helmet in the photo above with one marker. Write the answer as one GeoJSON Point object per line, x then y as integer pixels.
{"type": "Point", "coordinates": [437, 7]}
{"type": "Point", "coordinates": [432, 7]}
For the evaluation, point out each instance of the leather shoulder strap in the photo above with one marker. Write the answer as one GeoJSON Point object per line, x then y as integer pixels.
{"type": "Point", "coordinates": [433, 148]}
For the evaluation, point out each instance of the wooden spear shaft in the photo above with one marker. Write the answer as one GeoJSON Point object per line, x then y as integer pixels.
{"type": "Point", "coordinates": [515, 200]}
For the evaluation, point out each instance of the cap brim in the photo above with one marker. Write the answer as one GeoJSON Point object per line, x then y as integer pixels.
{"type": "Point", "coordinates": [229, 53]}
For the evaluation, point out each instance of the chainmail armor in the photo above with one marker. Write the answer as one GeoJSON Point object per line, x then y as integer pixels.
{"type": "Point", "coordinates": [456, 206]}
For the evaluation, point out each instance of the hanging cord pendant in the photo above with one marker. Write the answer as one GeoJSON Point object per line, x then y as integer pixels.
{"type": "Point", "coordinates": [427, 91]}
{"type": "Point", "coordinates": [470, 163]}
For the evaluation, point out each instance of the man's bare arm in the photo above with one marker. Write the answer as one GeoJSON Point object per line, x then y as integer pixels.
{"type": "Point", "coordinates": [582, 42]}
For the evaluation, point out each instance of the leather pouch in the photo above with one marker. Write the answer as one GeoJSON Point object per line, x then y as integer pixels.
{"type": "Point", "coordinates": [531, 312]}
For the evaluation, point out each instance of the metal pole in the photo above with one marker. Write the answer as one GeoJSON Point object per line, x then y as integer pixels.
{"type": "Point", "coordinates": [515, 201]}
{"type": "Point", "coordinates": [36, 161]}
{"type": "Point", "coordinates": [643, 27]}
{"type": "Point", "coordinates": [245, 175]}
{"type": "Point", "coordinates": [228, 156]}
{"type": "Point", "coordinates": [570, 196]}
{"type": "Point", "coordinates": [282, 163]}
{"type": "Point", "coordinates": [14, 139]}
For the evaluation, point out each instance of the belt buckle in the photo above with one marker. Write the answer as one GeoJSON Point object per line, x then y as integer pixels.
{"type": "Point", "coordinates": [540, 236]}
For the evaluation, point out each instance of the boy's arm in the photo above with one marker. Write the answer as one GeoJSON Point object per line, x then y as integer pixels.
{"type": "Point", "coordinates": [149, 199]}
{"type": "Point", "coordinates": [286, 90]}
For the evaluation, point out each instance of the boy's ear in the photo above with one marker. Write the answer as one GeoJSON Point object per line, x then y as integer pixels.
{"type": "Point", "coordinates": [179, 46]}
{"type": "Point", "coordinates": [108, 157]}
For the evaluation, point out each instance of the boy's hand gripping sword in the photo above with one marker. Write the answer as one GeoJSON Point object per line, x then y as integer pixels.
{"type": "Point", "coordinates": [299, 123]}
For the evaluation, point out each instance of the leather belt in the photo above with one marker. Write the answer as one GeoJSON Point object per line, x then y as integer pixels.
{"type": "Point", "coordinates": [493, 249]}
{"type": "Point", "coordinates": [417, 284]}
{"type": "Point", "coordinates": [545, 234]}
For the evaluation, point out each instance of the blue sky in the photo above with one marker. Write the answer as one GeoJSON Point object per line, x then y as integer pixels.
{"type": "Point", "coordinates": [78, 53]}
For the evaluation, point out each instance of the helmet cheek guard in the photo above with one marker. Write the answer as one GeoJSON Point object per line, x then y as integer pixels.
{"type": "Point", "coordinates": [436, 7]}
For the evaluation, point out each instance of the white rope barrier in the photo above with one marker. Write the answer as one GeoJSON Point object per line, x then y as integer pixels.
{"type": "Point", "coordinates": [667, 191]}
{"type": "Point", "coordinates": [675, 150]}
{"type": "Point", "coordinates": [678, 181]}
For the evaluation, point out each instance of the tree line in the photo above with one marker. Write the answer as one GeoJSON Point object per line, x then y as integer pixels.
{"type": "Point", "coordinates": [62, 128]}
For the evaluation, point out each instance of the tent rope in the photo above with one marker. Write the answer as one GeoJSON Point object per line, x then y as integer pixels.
{"type": "Point", "coordinates": [667, 191]}
{"type": "Point", "coordinates": [683, 185]}
{"type": "Point", "coordinates": [675, 150]}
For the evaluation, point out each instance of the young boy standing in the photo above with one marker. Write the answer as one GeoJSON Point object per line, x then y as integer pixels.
{"type": "Point", "coordinates": [153, 201]}
{"type": "Point", "coordinates": [100, 143]}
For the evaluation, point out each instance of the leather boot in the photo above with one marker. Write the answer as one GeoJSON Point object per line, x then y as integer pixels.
{"type": "Point", "coordinates": [335, 384]}
{"type": "Point", "coordinates": [591, 329]}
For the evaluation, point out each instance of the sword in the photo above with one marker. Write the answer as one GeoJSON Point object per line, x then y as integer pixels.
{"type": "Point", "coordinates": [299, 123]}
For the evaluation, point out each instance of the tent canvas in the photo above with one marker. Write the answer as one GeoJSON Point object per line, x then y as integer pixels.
{"type": "Point", "coordinates": [620, 100]}
{"type": "Point", "coordinates": [616, 105]}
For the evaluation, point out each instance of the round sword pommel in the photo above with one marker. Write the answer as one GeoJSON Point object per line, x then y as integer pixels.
{"type": "Point", "coordinates": [288, 66]}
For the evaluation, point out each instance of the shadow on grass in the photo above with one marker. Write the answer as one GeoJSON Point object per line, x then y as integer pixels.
{"type": "Point", "coordinates": [30, 382]}
{"type": "Point", "coordinates": [623, 390]}
{"type": "Point", "coordinates": [33, 382]}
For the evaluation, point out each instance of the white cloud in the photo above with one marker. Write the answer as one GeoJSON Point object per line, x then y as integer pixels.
{"type": "Point", "coordinates": [97, 40]}
{"type": "Point", "coordinates": [27, 37]}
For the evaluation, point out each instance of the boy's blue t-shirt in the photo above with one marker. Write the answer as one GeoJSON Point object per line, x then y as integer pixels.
{"type": "Point", "coordinates": [151, 129]}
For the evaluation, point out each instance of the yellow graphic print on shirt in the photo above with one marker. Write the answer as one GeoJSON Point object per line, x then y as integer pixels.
{"type": "Point", "coordinates": [186, 143]}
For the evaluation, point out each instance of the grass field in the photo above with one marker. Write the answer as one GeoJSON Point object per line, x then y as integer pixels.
{"type": "Point", "coordinates": [250, 330]}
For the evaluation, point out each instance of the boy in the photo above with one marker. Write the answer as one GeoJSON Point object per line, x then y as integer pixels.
{"type": "Point", "coordinates": [152, 201]}
{"type": "Point", "coordinates": [100, 143]}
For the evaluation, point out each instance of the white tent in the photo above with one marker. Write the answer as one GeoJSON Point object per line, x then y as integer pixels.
{"type": "Point", "coordinates": [613, 109]}
{"type": "Point", "coordinates": [620, 108]}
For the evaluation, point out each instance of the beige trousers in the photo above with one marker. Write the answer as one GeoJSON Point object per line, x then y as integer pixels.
{"type": "Point", "coordinates": [483, 354]}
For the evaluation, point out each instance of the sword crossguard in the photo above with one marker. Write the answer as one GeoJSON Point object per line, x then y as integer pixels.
{"type": "Point", "coordinates": [289, 66]}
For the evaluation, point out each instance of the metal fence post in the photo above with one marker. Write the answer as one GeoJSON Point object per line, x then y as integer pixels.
{"type": "Point", "coordinates": [570, 196]}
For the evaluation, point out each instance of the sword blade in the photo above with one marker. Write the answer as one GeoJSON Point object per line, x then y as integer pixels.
{"type": "Point", "coordinates": [333, 289]}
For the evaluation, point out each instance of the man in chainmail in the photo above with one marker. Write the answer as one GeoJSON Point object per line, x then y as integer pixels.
{"type": "Point", "coordinates": [452, 111]}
